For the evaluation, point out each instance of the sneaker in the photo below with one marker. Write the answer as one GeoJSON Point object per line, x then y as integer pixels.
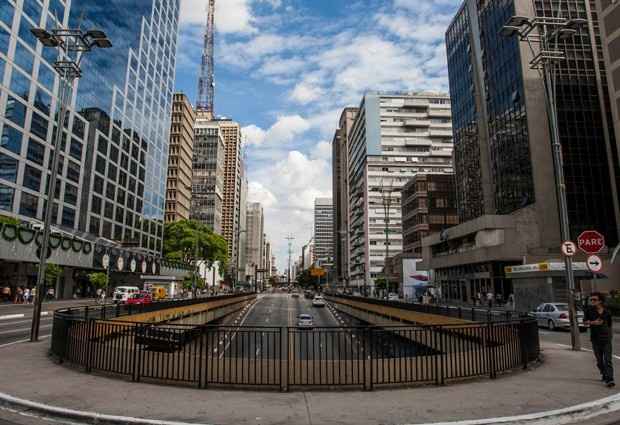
{"type": "Point", "coordinates": [611, 384]}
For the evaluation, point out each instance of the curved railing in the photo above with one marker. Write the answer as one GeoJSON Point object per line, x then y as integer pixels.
{"type": "Point", "coordinates": [289, 357]}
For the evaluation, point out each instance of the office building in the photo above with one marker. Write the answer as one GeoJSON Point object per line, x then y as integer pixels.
{"type": "Point", "coordinates": [243, 236]}
{"type": "Point", "coordinates": [324, 231]}
{"type": "Point", "coordinates": [179, 182]}
{"type": "Point", "coordinates": [255, 235]}
{"type": "Point", "coordinates": [428, 206]}
{"type": "Point", "coordinates": [394, 137]}
{"type": "Point", "coordinates": [609, 21]}
{"type": "Point", "coordinates": [208, 174]}
{"type": "Point", "coordinates": [233, 170]}
{"type": "Point", "coordinates": [266, 266]}
{"type": "Point", "coordinates": [503, 156]}
{"type": "Point", "coordinates": [340, 190]}
{"type": "Point", "coordinates": [111, 179]}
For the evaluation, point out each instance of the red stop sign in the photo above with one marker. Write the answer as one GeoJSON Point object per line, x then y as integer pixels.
{"type": "Point", "coordinates": [591, 242]}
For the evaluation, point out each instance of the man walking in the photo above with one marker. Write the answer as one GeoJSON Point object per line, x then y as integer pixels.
{"type": "Point", "coordinates": [599, 319]}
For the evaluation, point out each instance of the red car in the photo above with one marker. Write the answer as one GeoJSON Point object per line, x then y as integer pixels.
{"type": "Point", "coordinates": [140, 298]}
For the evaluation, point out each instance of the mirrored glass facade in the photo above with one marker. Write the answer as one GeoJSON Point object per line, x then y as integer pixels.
{"type": "Point", "coordinates": [114, 153]}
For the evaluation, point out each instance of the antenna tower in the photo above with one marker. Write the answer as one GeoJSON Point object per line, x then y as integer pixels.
{"type": "Point", "coordinates": [206, 80]}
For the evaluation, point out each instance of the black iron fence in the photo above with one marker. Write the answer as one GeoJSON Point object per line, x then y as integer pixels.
{"type": "Point", "coordinates": [473, 313]}
{"type": "Point", "coordinates": [289, 357]}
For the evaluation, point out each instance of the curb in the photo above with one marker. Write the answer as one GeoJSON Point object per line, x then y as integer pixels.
{"type": "Point", "coordinates": [567, 415]}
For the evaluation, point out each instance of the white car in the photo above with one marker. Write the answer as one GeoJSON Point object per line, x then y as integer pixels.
{"type": "Point", "coordinates": [318, 301]}
{"type": "Point", "coordinates": [392, 296]}
{"type": "Point", "coordinates": [122, 293]}
{"type": "Point", "coordinates": [555, 316]}
{"type": "Point", "coordinates": [305, 321]}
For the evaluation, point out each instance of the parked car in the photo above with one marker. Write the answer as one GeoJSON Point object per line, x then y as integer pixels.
{"type": "Point", "coordinates": [318, 301]}
{"type": "Point", "coordinates": [122, 293]}
{"type": "Point", "coordinates": [305, 321]}
{"type": "Point", "coordinates": [295, 294]}
{"type": "Point", "coordinates": [555, 316]}
{"type": "Point", "coordinates": [392, 296]}
{"type": "Point", "coordinates": [141, 297]}
{"type": "Point", "coordinates": [308, 294]}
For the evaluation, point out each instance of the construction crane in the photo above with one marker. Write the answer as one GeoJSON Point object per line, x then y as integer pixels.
{"type": "Point", "coordinates": [206, 79]}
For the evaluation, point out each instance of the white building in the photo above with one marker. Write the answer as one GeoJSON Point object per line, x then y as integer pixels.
{"type": "Point", "coordinates": [323, 231]}
{"type": "Point", "coordinates": [394, 136]}
{"type": "Point", "coordinates": [255, 237]}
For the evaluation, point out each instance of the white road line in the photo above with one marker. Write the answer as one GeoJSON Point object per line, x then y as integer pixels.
{"type": "Point", "coordinates": [235, 332]}
{"type": "Point", "coordinates": [585, 349]}
{"type": "Point", "coordinates": [12, 316]}
{"type": "Point", "coordinates": [23, 321]}
{"type": "Point", "coordinates": [24, 340]}
{"type": "Point", "coordinates": [22, 329]}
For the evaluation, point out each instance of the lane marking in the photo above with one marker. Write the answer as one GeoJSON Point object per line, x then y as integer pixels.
{"type": "Point", "coordinates": [22, 330]}
{"type": "Point", "coordinates": [23, 321]}
{"type": "Point", "coordinates": [247, 314]}
{"type": "Point", "coordinates": [24, 340]}
{"type": "Point", "coordinates": [584, 349]}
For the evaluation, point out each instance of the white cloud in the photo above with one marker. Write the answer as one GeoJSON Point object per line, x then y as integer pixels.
{"type": "Point", "coordinates": [231, 16]}
{"type": "Point", "coordinates": [322, 150]}
{"type": "Point", "coordinates": [259, 193]}
{"type": "Point", "coordinates": [285, 129]}
{"type": "Point", "coordinates": [305, 92]}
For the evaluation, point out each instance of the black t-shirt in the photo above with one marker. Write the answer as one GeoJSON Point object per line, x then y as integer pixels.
{"type": "Point", "coordinates": [602, 332]}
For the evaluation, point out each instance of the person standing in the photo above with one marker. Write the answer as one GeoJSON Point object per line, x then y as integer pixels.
{"type": "Point", "coordinates": [490, 299]}
{"type": "Point", "coordinates": [27, 296]}
{"type": "Point", "coordinates": [599, 319]}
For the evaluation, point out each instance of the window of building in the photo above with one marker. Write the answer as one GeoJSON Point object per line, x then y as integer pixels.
{"type": "Point", "coordinates": [68, 217]}
{"type": "Point", "coordinates": [15, 111]}
{"type": "Point", "coordinates": [95, 205]}
{"type": "Point", "coordinates": [71, 194]}
{"type": "Point", "coordinates": [112, 172]}
{"type": "Point", "coordinates": [33, 9]}
{"type": "Point", "coordinates": [108, 211]}
{"type": "Point", "coordinates": [98, 185]}
{"type": "Point", "coordinates": [107, 229]}
{"type": "Point", "coordinates": [11, 139]}
{"type": "Point", "coordinates": [38, 126]}
{"type": "Point", "coordinates": [42, 101]}
{"type": "Point", "coordinates": [8, 168]}
{"type": "Point", "coordinates": [6, 197]}
{"type": "Point", "coordinates": [28, 205]}
{"type": "Point", "coordinates": [46, 76]}
{"type": "Point", "coordinates": [6, 14]}
{"type": "Point", "coordinates": [109, 191]}
{"type": "Point", "coordinates": [20, 84]}
{"type": "Point", "coordinates": [94, 226]}
{"type": "Point", "coordinates": [32, 178]}
{"type": "Point", "coordinates": [100, 165]}
{"type": "Point", "coordinates": [23, 58]}
{"type": "Point", "coordinates": [75, 150]}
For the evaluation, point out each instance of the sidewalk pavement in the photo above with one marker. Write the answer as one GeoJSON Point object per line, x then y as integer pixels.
{"type": "Point", "coordinates": [564, 379]}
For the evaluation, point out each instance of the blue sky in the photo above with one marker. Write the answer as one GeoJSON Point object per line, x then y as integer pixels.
{"type": "Point", "coordinates": [286, 68]}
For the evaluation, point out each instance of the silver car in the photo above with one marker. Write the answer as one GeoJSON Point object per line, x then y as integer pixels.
{"type": "Point", "coordinates": [555, 316]}
{"type": "Point", "coordinates": [305, 321]}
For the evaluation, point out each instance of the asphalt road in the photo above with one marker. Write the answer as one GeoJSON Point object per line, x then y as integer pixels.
{"type": "Point", "coordinates": [16, 319]}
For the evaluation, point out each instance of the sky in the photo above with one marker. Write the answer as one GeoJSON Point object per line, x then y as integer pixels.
{"type": "Point", "coordinates": [285, 69]}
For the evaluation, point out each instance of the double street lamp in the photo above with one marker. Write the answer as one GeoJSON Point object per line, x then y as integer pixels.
{"type": "Point", "coordinates": [543, 36]}
{"type": "Point", "coordinates": [71, 45]}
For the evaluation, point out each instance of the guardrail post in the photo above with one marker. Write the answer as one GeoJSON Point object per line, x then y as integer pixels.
{"type": "Point", "coordinates": [284, 354]}
{"type": "Point", "coordinates": [490, 351]}
{"type": "Point", "coordinates": [135, 375]}
{"type": "Point", "coordinates": [522, 342]}
{"type": "Point", "coordinates": [90, 330]}
{"type": "Point", "coordinates": [118, 310]}
{"type": "Point", "coordinates": [473, 314]}
{"type": "Point", "coordinates": [86, 313]}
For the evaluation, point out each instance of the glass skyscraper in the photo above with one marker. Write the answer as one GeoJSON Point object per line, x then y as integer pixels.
{"type": "Point", "coordinates": [112, 172]}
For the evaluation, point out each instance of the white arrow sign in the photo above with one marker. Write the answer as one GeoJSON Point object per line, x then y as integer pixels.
{"type": "Point", "coordinates": [595, 264]}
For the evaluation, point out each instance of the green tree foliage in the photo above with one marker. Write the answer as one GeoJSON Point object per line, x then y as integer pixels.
{"type": "Point", "coordinates": [5, 219]}
{"type": "Point", "coordinates": [98, 279]}
{"type": "Point", "coordinates": [305, 280]}
{"type": "Point", "coordinates": [189, 240]}
{"type": "Point", "coordinates": [188, 282]}
{"type": "Point", "coordinates": [52, 273]}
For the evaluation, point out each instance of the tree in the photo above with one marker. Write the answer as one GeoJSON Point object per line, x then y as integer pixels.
{"type": "Point", "coordinates": [98, 279]}
{"type": "Point", "coordinates": [190, 240]}
{"type": "Point", "coordinates": [188, 282]}
{"type": "Point", "coordinates": [52, 273]}
{"type": "Point", "coordinates": [305, 279]}
{"type": "Point", "coordinates": [5, 219]}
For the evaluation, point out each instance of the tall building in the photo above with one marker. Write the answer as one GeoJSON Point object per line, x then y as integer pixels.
{"type": "Point", "coordinates": [243, 225]}
{"type": "Point", "coordinates": [340, 190]}
{"type": "Point", "coordinates": [609, 20]}
{"type": "Point", "coordinates": [503, 156]}
{"type": "Point", "coordinates": [233, 170]}
{"type": "Point", "coordinates": [324, 231]}
{"type": "Point", "coordinates": [255, 234]}
{"type": "Point", "coordinates": [393, 138]}
{"type": "Point", "coordinates": [266, 265]}
{"type": "Point", "coordinates": [428, 206]}
{"type": "Point", "coordinates": [179, 182]}
{"type": "Point", "coordinates": [112, 173]}
{"type": "Point", "coordinates": [208, 173]}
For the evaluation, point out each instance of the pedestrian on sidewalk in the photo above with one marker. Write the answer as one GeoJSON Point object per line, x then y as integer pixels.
{"type": "Point", "coordinates": [490, 299]}
{"type": "Point", "coordinates": [599, 319]}
{"type": "Point", "coordinates": [27, 295]}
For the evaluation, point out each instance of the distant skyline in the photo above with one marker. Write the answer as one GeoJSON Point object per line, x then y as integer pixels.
{"type": "Point", "coordinates": [284, 71]}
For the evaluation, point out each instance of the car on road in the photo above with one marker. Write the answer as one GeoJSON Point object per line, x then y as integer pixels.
{"type": "Point", "coordinates": [308, 294]}
{"type": "Point", "coordinates": [122, 293]}
{"type": "Point", "coordinates": [555, 316]}
{"type": "Point", "coordinates": [141, 297]}
{"type": "Point", "coordinates": [318, 301]}
{"type": "Point", "coordinates": [295, 294]}
{"type": "Point", "coordinates": [305, 321]}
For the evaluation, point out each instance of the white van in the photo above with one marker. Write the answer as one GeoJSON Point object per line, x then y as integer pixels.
{"type": "Point", "coordinates": [121, 293]}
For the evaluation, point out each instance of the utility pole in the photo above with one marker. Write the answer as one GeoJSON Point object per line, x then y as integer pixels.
{"type": "Point", "coordinates": [290, 240]}
{"type": "Point", "coordinates": [386, 196]}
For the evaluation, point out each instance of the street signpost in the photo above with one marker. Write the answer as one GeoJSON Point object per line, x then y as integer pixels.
{"type": "Point", "coordinates": [591, 242]}
{"type": "Point", "coordinates": [595, 264]}
{"type": "Point", "coordinates": [568, 248]}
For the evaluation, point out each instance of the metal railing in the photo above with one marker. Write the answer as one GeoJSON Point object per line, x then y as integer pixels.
{"type": "Point", "coordinates": [290, 357]}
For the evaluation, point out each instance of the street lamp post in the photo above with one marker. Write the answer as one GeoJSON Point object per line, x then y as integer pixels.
{"type": "Point", "coordinates": [71, 45]}
{"type": "Point", "coordinates": [545, 33]}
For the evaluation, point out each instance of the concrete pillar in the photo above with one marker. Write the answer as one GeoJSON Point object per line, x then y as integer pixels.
{"type": "Point", "coordinates": [68, 284]}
